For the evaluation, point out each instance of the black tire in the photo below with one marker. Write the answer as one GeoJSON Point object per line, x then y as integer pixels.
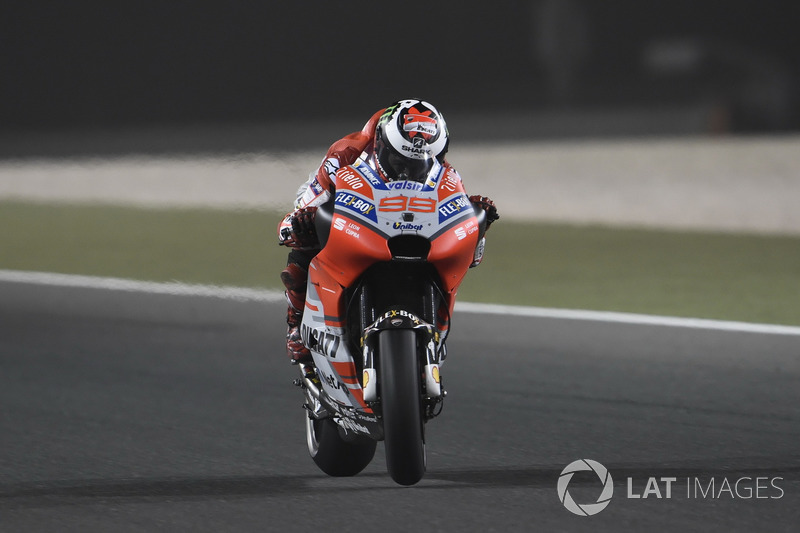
{"type": "Point", "coordinates": [334, 455]}
{"type": "Point", "coordinates": [399, 378]}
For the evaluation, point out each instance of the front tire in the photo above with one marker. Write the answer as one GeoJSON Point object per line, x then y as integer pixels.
{"type": "Point", "coordinates": [399, 378]}
{"type": "Point", "coordinates": [334, 455]}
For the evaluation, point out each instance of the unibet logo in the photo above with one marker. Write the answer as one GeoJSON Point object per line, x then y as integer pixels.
{"type": "Point", "coordinates": [587, 509]}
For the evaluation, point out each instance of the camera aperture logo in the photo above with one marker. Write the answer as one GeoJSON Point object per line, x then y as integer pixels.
{"type": "Point", "coordinates": [585, 509]}
{"type": "Point", "coordinates": [707, 487]}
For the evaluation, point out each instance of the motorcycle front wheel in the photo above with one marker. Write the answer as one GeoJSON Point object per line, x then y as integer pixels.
{"type": "Point", "coordinates": [334, 455]}
{"type": "Point", "coordinates": [399, 379]}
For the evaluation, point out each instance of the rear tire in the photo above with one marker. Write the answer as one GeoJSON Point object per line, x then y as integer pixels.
{"type": "Point", "coordinates": [334, 455]}
{"type": "Point", "coordinates": [399, 379]}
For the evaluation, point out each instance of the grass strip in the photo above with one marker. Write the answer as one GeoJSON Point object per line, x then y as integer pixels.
{"type": "Point", "coordinates": [752, 278]}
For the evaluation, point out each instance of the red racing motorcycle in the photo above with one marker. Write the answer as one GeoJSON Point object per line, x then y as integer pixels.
{"type": "Point", "coordinates": [378, 305]}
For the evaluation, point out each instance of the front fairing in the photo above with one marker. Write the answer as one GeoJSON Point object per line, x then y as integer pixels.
{"type": "Point", "coordinates": [369, 216]}
{"type": "Point", "coordinates": [368, 212]}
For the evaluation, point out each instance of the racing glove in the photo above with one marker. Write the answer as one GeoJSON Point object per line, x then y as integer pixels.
{"type": "Point", "coordinates": [485, 203]}
{"type": "Point", "coordinates": [303, 233]}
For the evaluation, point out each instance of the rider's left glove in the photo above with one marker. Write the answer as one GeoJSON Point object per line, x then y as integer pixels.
{"type": "Point", "coordinates": [485, 203]}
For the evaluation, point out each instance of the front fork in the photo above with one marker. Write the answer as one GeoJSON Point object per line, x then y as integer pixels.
{"type": "Point", "coordinates": [427, 336]}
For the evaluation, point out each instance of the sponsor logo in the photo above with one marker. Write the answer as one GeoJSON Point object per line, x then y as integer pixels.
{"type": "Point", "coordinates": [453, 207]}
{"type": "Point", "coordinates": [407, 227]}
{"type": "Point", "coordinates": [450, 181]}
{"type": "Point", "coordinates": [334, 383]}
{"type": "Point", "coordinates": [318, 341]}
{"type": "Point", "coordinates": [467, 229]}
{"type": "Point", "coordinates": [371, 176]}
{"type": "Point", "coordinates": [331, 166]}
{"type": "Point", "coordinates": [356, 204]}
{"type": "Point", "coordinates": [405, 185]}
{"type": "Point", "coordinates": [316, 187]}
{"type": "Point", "coordinates": [352, 425]}
{"type": "Point", "coordinates": [361, 416]}
{"type": "Point", "coordinates": [351, 179]}
{"type": "Point", "coordinates": [394, 313]}
{"type": "Point", "coordinates": [388, 113]}
{"type": "Point", "coordinates": [415, 150]}
{"type": "Point", "coordinates": [349, 228]}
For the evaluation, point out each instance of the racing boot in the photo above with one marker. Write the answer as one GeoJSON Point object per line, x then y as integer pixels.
{"type": "Point", "coordinates": [294, 278]}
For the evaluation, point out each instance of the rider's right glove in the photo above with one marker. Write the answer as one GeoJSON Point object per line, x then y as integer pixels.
{"type": "Point", "coordinates": [485, 203]}
{"type": "Point", "coordinates": [303, 233]}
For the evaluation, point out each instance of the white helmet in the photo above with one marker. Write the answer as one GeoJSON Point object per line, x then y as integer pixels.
{"type": "Point", "coordinates": [409, 136]}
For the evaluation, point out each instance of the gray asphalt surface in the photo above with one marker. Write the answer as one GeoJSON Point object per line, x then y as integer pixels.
{"type": "Point", "coordinates": [136, 412]}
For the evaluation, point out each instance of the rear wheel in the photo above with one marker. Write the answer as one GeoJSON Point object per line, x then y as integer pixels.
{"type": "Point", "coordinates": [333, 454]}
{"type": "Point", "coordinates": [399, 378]}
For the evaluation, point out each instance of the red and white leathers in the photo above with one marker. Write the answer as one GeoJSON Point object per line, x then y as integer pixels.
{"type": "Point", "coordinates": [317, 190]}
{"type": "Point", "coordinates": [314, 192]}
{"type": "Point", "coordinates": [321, 183]}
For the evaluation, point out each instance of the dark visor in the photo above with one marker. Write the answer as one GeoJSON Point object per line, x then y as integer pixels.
{"type": "Point", "coordinates": [403, 168]}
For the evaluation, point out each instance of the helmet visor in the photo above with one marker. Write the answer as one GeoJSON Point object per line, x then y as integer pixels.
{"type": "Point", "coordinates": [401, 168]}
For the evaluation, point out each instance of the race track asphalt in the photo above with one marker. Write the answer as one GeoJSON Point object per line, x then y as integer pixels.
{"type": "Point", "coordinates": [139, 412]}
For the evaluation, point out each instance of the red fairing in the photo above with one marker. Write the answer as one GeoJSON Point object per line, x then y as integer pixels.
{"type": "Point", "coordinates": [342, 261]}
{"type": "Point", "coordinates": [453, 252]}
{"type": "Point", "coordinates": [367, 216]}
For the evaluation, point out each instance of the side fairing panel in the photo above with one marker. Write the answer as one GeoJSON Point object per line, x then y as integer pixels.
{"type": "Point", "coordinates": [453, 250]}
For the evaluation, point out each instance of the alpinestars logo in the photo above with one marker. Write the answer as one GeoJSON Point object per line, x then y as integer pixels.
{"type": "Point", "coordinates": [586, 509]}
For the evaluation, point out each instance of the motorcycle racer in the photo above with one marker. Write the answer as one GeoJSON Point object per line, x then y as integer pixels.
{"type": "Point", "coordinates": [400, 143]}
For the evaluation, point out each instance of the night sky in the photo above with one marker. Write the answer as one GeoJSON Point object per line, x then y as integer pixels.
{"type": "Point", "coordinates": [68, 65]}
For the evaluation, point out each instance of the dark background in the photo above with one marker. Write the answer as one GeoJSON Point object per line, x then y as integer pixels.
{"type": "Point", "coordinates": [70, 66]}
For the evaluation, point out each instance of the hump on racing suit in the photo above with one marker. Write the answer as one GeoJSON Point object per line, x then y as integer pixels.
{"type": "Point", "coordinates": [322, 182]}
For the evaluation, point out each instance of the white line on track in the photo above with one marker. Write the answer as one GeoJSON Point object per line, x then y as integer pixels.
{"type": "Point", "coordinates": [248, 294]}
{"type": "Point", "coordinates": [628, 318]}
{"type": "Point", "coordinates": [128, 285]}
